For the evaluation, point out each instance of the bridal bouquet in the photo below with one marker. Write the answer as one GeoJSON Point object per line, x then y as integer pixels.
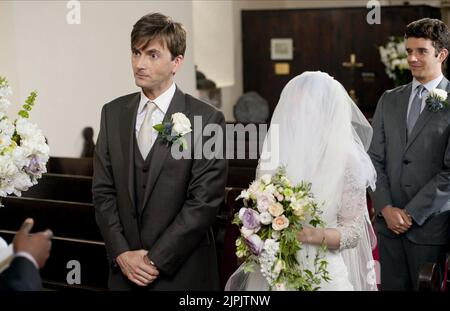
{"type": "Point", "coordinates": [23, 150]}
{"type": "Point", "coordinates": [274, 213]}
{"type": "Point", "coordinates": [394, 57]}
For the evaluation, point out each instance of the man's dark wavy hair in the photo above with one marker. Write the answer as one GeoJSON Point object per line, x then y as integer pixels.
{"type": "Point", "coordinates": [432, 29]}
{"type": "Point", "coordinates": [156, 26]}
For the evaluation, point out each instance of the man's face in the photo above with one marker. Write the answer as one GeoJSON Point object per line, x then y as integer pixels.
{"type": "Point", "coordinates": [153, 67]}
{"type": "Point", "coordinates": [423, 62]}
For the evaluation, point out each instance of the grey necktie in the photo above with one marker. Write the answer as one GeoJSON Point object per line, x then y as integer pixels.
{"type": "Point", "coordinates": [145, 132]}
{"type": "Point", "coordinates": [414, 111]}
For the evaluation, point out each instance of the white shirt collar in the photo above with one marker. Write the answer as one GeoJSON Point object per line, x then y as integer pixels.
{"type": "Point", "coordinates": [429, 86]}
{"type": "Point", "coordinates": [162, 101]}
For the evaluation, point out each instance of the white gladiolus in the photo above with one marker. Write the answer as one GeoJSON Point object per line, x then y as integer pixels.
{"type": "Point", "coordinates": [4, 104]}
{"type": "Point", "coordinates": [5, 91]}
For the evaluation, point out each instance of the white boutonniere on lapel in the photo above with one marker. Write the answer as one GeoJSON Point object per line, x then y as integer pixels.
{"type": "Point", "coordinates": [173, 131]}
{"type": "Point", "coordinates": [437, 100]}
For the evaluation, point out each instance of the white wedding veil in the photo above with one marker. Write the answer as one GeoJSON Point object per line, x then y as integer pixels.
{"type": "Point", "coordinates": [314, 128]}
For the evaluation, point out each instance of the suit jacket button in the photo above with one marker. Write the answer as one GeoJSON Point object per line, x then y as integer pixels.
{"type": "Point", "coordinates": [143, 186]}
{"type": "Point", "coordinates": [406, 162]}
{"type": "Point", "coordinates": [145, 169]}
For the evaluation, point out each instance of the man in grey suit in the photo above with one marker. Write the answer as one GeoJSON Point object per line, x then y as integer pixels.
{"type": "Point", "coordinates": [411, 153]}
{"type": "Point", "coordinates": [154, 209]}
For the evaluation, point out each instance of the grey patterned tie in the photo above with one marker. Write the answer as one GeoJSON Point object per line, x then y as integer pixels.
{"type": "Point", "coordinates": [145, 132]}
{"type": "Point", "coordinates": [414, 111]}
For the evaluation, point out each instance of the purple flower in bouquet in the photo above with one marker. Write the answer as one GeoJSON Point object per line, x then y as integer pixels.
{"type": "Point", "coordinates": [34, 166]}
{"type": "Point", "coordinates": [250, 218]}
{"type": "Point", "coordinates": [255, 244]}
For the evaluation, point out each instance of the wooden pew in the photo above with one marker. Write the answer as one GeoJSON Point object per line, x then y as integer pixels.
{"type": "Point", "coordinates": [76, 237]}
{"type": "Point", "coordinates": [66, 219]}
{"type": "Point", "coordinates": [241, 172]}
{"type": "Point", "coordinates": [226, 233]}
{"type": "Point", "coordinates": [70, 166]}
{"type": "Point", "coordinates": [435, 277]}
{"type": "Point", "coordinates": [72, 188]}
{"type": "Point", "coordinates": [63, 203]}
{"type": "Point", "coordinates": [90, 255]}
{"type": "Point", "coordinates": [243, 152]}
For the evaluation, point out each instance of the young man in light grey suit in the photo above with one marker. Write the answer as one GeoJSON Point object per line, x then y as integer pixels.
{"type": "Point", "coordinates": [154, 209]}
{"type": "Point", "coordinates": [411, 153]}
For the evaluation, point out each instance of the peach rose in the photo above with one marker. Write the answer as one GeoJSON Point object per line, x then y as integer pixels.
{"type": "Point", "coordinates": [280, 223]}
{"type": "Point", "coordinates": [276, 209]}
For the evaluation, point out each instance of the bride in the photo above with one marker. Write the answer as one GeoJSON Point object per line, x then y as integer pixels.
{"type": "Point", "coordinates": [319, 135]}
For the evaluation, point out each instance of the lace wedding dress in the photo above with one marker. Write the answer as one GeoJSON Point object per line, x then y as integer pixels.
{"type": "Point", "coordinates": [352, 221]}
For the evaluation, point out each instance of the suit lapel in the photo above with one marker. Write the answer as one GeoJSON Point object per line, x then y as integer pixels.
{"type": "Point", "coordinates": [402, 112]}
{"type": "Point", "coordinates": [161, 149]}
{"type": "Point", "coordinates": [425, 116]}
{"type": "Point", "coordinates": [127, 132]}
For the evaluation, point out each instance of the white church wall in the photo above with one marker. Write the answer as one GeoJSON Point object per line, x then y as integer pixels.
{"type": "Point", "coordinates": [76, 68]}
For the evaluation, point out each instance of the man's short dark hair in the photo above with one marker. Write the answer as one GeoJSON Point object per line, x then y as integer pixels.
{"type": "Point", "coordinates": [432, 29]}
{"type": "Point", "coordinates": [156, 26]}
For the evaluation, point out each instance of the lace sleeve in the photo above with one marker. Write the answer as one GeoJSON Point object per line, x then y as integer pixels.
{"type": "Point", "coordinates": [351, 213]}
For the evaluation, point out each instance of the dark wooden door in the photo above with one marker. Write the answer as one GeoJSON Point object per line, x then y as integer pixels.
{"type": "Point", "coordinates": [323, 39]}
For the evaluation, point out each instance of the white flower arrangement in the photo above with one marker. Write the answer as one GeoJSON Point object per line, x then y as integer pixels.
{"type": "Point", "coordinates": [175, 130]}
{"type": "Point", "coordinates": [23, 150]}
{"type": "Point", "coordinates": [395, 59]}
{"type": "Point", "coordinates": [437, 100]}
{"type": "Point", "coordinates": [269, 223]}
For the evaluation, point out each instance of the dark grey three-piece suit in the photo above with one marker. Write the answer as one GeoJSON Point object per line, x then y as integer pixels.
{"type": "Point", "coordinates": [414, 174]}
{"type": "Point", "coordinates": [160, 204]}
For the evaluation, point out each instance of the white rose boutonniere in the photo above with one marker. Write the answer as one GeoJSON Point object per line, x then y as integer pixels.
{"type": "Point", "coordinates": [437, 100]}
{"type": "Point", "coordinates": [174, 130]}
{"type": "Point", "coordinates": [181, 124]}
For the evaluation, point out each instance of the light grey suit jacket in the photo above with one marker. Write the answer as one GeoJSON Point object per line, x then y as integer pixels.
{"type": "Point", "coordinates": [413, 173]}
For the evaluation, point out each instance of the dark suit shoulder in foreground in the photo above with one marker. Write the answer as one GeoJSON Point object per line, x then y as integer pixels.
{"type": "Point", "coordinates": [21, 275]}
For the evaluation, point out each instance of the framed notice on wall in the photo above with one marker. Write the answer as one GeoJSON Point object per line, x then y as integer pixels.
{"type": "Point", "coordinates": [281, 49]}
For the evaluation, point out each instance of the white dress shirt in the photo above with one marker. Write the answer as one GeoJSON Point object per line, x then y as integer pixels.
{"type": "Point", "coordinates": [429, 86]}
{"type": "Point", "coordinates": [162, 103]}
